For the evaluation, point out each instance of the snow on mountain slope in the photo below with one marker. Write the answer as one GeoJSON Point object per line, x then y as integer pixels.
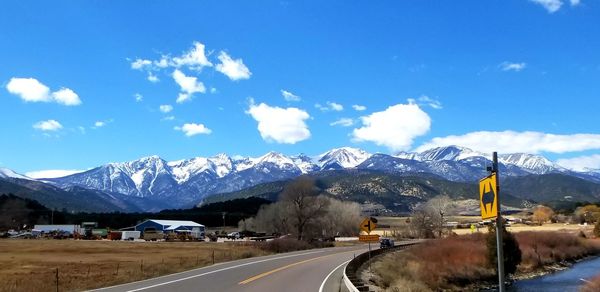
{"type": "Point", "coordinates": [345, 157]}
{"type": "Point", "coordinates": [305, 163]}
{"type": "Point", "coordinates": [453, 153]}
{"type": "Point", "coordinates": [7, 173]}
{"type": "Point", "coordinates": [533, 163]}
{"type": "Point", "coordinates": [187, 180]}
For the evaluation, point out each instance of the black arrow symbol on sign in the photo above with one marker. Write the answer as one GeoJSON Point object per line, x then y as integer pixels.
{"type": "Point", "coordinates": [488, 198]}
{"type": "Point", "coordinates": [368, 225]}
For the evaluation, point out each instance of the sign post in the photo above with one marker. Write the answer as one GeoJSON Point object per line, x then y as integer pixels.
{"type": "Point", "coordinates": [489, 198]}
{"type": "Point", "coordinates": [368, 225]}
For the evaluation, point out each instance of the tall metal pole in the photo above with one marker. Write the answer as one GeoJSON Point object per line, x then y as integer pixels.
{"type": "Point", "coordinates": [499, 245]}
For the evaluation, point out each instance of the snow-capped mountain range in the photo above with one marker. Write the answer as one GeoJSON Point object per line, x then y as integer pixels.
{"type": "Point", "coordinates": [186, 182]}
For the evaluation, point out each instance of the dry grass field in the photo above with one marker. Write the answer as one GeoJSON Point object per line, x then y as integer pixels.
{"type": "Point", "coordinates": [398, 225]}
{"type": "Point", "coordinates": [30, 265]}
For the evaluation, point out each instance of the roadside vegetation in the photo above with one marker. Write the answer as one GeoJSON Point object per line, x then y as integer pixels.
{"type": "Point", "coordinates": [460, 262]}
{"type": "Point", "coordinates": [468, 262]}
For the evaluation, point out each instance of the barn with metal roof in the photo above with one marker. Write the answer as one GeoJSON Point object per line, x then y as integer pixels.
{"type": "Point", "coordinates": [168, 226]}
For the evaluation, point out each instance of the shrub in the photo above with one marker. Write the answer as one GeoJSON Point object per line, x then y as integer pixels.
{"type": "Point", "coordinates": [597, 229]}
{"type": "Point", "coordinates": [285, 245]}
{"type": "Point", "coordinates": [512, 253]}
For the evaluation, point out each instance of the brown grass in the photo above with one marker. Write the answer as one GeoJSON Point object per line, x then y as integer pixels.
{"type": "Point", "coordinates": [592, 286]}
{"type": "Point", "coordinates": [539, 249]}
{"type": "Point", "coordinates": [460, 262]}
{"type": "Point", "coordinates": [30, 265]}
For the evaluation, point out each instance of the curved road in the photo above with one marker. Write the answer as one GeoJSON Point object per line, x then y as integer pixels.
{"type": "Point", "coordinates": [312, 270]}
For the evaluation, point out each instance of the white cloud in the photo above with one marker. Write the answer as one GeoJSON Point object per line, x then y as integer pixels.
{"type": "Point", "coordinates": [581, 163]}
{"type": "Point", "coordinates": [575, 2]}
{"type": "Point", "coordinates": [344, 122]}
{"type": "Point", "coordinates": [31, 90]}
{"type": "Point", "coordinates": [141, 64]}
{"type": "Point", "coordinates": [66, 96]}
{"type": "Point", "coordinates": [168, 118]}
{"type": "Point", "coordinates": [152, 78]}
{"type": "Point", "coordinates": [188, 84]}
{"type": "Point", "coordinates": [281, 125]}
{"type": "Point", "coordinates": [138, 97]}
{"type": "Point", "coordinates": [335, 106]}
{"type": "Point", "coordinates": [49, 125]}
{"type": "Point", "coordinates": [395, 128]}
{"type": "Point", "coordinates": [52, 173]}
{"type": "Point", "coordinates": [192, 129]}
{"type": "Point", "coordinates": [331, 106]}
{"type": "Point", "coordinates": [509, 66]}
{"type": "Point", "coordinates": [289, 96]}
{"type": "Point", "coordinates": [550, 5]}
{"type": "Point", "coordinates": [425, 100]}
{"type": "Point", "coordinates": [100, 124]}
{"type": "Point", "coordinates": [194, 59]}
{"type": "Point", "coordinates": [512, 142]}
{"type": "Point", "coordinates": [234, 69]}
{"type": "Point", "coordinates": [359, 108]}
{"type": "Point", "coordinates": [213, 90]}
{"type": "Point", "coordinates": [165, 108]}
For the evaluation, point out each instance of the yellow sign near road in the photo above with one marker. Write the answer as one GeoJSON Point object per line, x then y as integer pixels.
{"type": "Point", "coordinates": [488, 197]}
{"type": "Point", "coordinates": [367, 225]}
{"type": "Point", "coordinates": [369, 238]}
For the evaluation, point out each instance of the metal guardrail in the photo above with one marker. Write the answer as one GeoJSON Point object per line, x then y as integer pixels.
{"type": "Point", "coordinates": [352, 279]}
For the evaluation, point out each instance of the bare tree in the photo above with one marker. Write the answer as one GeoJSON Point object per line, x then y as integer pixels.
{"type": "Point", "coordinates": [302, 212]}
{"type": "Point", "coordinates": [430, 217]}
{"type": "Point", "coordinates": [438, 207]}
{"type": "Point", "coordinates": [305, 204]}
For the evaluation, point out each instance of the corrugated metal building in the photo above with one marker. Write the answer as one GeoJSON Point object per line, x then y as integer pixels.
{"type": "Point", "coordinates": [168, 226]}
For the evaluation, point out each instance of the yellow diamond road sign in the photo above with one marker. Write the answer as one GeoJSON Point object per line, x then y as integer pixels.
{"type": "Point", "coordinates": [488, 197]}
{"type": "Point", "coordinates": [367, 225]}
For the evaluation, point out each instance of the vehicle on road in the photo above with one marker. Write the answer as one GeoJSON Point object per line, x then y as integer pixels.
{"type": "Point", "coordinates": [386, 243]}
{"type": "Point", "coordinates": [234, 235]}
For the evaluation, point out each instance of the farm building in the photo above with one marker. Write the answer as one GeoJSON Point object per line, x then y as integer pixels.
{"type": "Point", "coordinates": [172, 226]}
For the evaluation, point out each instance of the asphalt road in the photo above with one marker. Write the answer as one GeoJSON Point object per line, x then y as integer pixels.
{"type": "Point", "coordinates": [312, 270]}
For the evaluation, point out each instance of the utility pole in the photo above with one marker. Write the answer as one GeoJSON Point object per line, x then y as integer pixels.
{"type": "Point", "coordinates": [499, 229]}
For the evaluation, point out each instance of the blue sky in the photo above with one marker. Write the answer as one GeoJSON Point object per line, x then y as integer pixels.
{"type": "Point", "coordinates": [511, 76]}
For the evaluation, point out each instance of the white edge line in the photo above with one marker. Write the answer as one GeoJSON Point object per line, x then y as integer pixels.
{"type": "Point", "coordinates": [203, 274]}
{"type": "Point", "coordinates": [331, 273]}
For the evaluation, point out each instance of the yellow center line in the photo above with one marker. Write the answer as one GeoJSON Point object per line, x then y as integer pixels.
{"type": "Point", "coordinates": [254, 278]}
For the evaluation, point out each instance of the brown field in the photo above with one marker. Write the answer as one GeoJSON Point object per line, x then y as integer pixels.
{"type": "Point", "coordinates": [398, 225]}
{"type": "Point", "coordinates": [31, 265]}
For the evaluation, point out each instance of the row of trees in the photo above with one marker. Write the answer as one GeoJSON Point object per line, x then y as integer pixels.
{"type": "Point", "coordinates": [301, 211]}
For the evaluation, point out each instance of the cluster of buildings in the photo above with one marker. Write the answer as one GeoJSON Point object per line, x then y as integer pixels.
{"type": "Point", "coordinates": [150, 229]}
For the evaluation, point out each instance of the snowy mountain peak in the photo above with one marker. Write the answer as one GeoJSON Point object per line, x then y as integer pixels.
{"type": "Point", "coordinates": [275, 158]}
{"type": "Point", "coordinates": [7, 173]}
{"type": "Point", "coordinates": [534, 163]}
{"type": "Point", "coordinates": [453, 153]}
{"type": "Point", "coordinates": [345, 157]}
